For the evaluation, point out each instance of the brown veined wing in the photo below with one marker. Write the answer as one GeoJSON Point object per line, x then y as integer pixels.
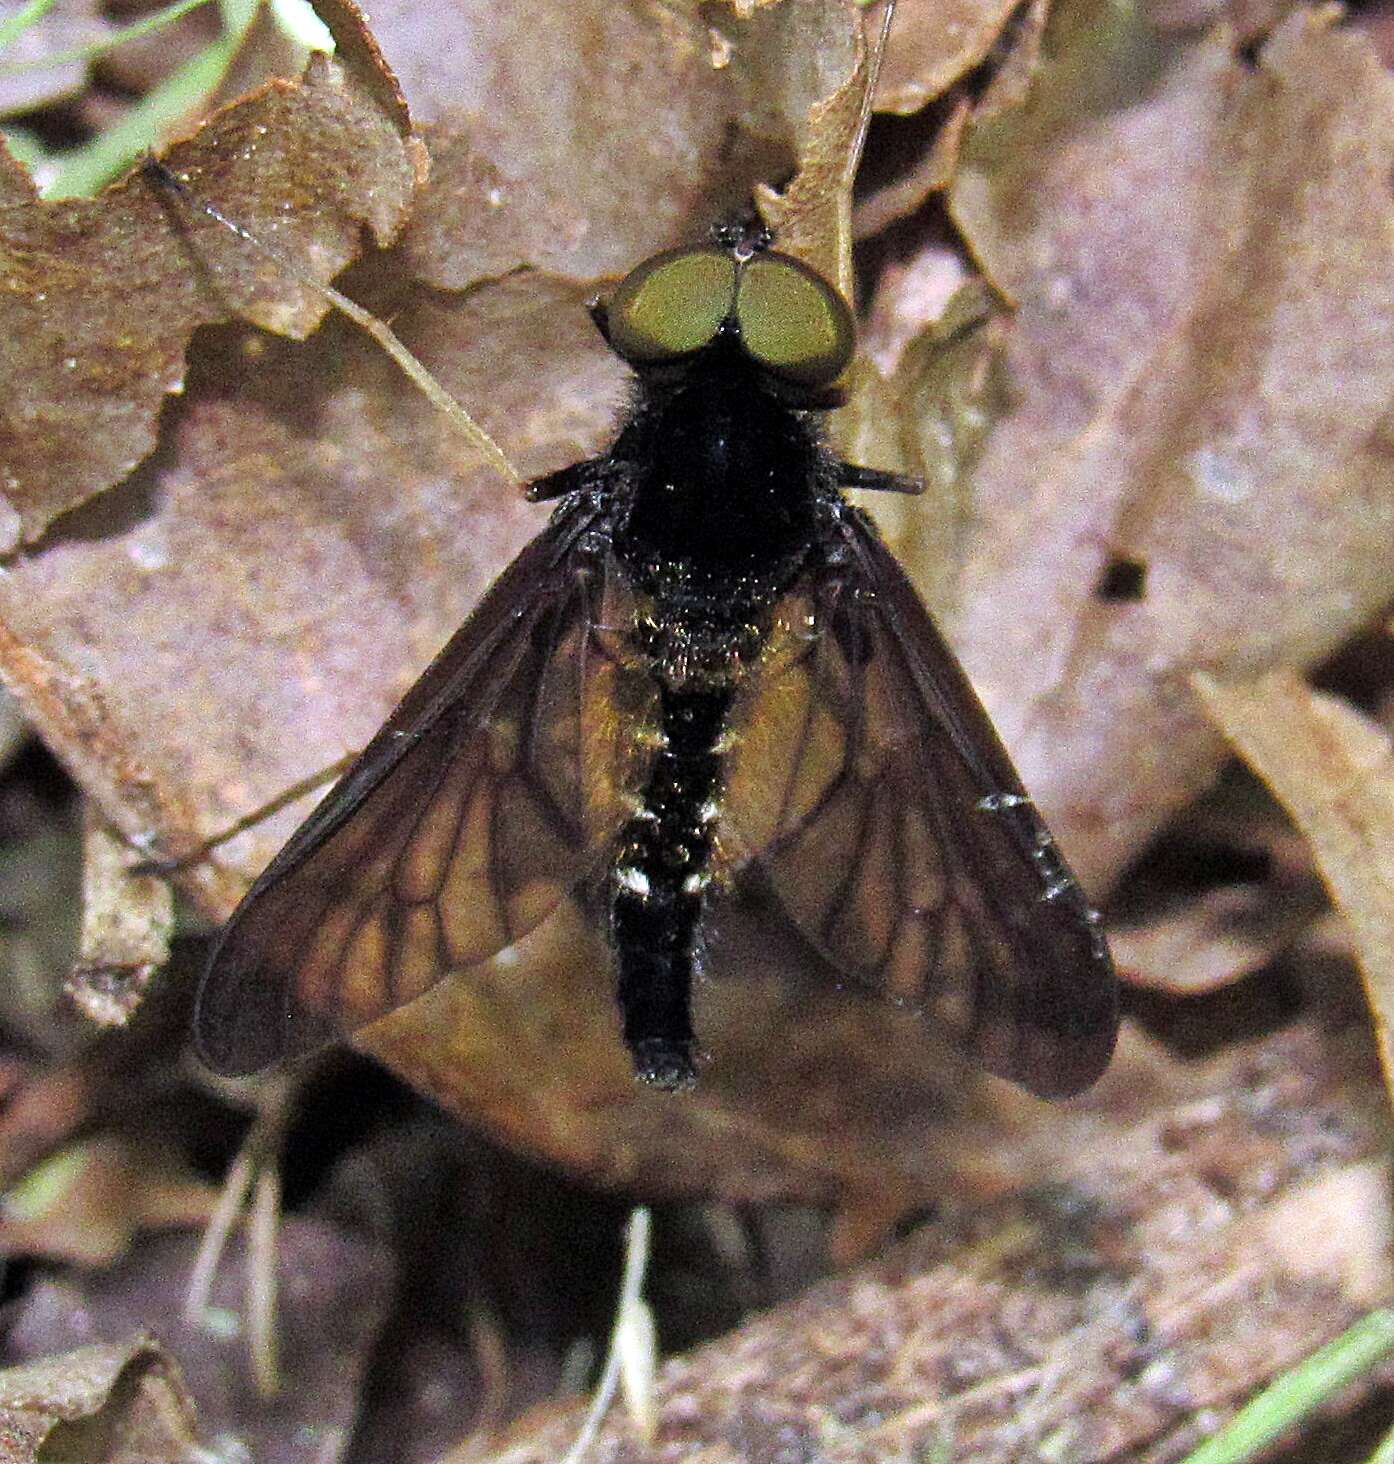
{"type": "Point", "coordinates": [868, 782]}
{"type": "Point", "coordinates": [494, 787]}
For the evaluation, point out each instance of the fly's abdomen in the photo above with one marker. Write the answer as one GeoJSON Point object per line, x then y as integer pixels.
{"type": "Point", "coordinates": [658, 881]}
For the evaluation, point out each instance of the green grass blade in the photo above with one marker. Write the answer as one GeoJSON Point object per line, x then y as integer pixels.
{"type": "Point", "coordinates": [88, 168]}
{"type": "Point", "coordinates": [1385, 1453]}
{"type": "Point", "coordinates": [1294, 1395]}
{"type": "Point", "coordinates": [108, 42]}
{"type": "Point", "coordinates": [22, 19]}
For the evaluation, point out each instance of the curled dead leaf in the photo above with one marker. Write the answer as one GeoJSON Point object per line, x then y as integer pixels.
{"type": "Point", "coordinates": [111, 1403]}
{"type": "Point", "coordinates": [1332, 768]}
{"type": "Point", "coordinates": [102, 295]}
{"type": "Point", "coordinates": [934, 45]}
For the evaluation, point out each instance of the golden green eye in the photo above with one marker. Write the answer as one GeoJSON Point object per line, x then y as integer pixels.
{"type": "Point", "coordinates": [792, 321]}
{"type": "Point", "coordinates": [672, 304]}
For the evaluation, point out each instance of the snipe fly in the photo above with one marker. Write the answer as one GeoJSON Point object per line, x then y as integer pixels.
{"type": "Point", "coordinates": [707, 662]}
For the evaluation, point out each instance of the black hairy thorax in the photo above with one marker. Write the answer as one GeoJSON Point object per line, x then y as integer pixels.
{"type": "Point", "coordinates": [725, 478]}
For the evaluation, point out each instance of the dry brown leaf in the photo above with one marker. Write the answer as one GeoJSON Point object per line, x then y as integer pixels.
{"type": "Point", "coordinates": [112, 1403]}
{"type": "Point", "coordinates": [929, 414]}
{"type": "Point", "coordinates": [335, 1289]}
{"type": "Point", "coordinates": [1249, 19]}
{"type": "Point", "coordinates": [252, 602]}
{"type": "Point", "coordinates": [907, 192]}
{"type": "Point", "coordinates": [1333, 770]}
{"type": "Point", "coordinates": [1213, 939]}
{"type": "Point", "coordinates": [102, 295]}
{"type": "Point", "coordinates": [579, 138]}
{"type": "Point", "coordinates": [1091, 1319]}
{"type": "Point", "coordinates": [933, 45]}
{"type": "Point", "coordinates": [1012, 83]}
{"type": "Point", "coordinates": [1227, 890]}
{"type": "Point", "coordinates": [933, 51]}
{"type": "Point", "coordinates": [1201, 368]}
{"type": "Point", "coordinates": [812, 217]}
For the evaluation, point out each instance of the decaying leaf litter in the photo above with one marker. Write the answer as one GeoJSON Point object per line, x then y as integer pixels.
{"type": "Point", "coordinates": [1194, 387]}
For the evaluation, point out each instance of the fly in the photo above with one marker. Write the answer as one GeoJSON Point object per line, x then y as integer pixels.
{"type": "Point", "coordinates": [707, 662]}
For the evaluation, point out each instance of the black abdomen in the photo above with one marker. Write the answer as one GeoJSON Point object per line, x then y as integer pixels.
{"type": "Point", "coordinates": [657, 885]}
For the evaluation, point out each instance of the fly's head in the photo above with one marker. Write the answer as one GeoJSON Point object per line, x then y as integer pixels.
{"type": "Point", "coordinates": [748, 308]}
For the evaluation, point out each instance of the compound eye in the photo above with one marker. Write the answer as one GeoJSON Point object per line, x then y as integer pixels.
{"type": "Point", "coordinates": [671, 305]}
{"type": "Point", "coordinates": [792, 321]}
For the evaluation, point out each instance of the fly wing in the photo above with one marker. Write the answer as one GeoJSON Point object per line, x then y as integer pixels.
{"type": "Point", "coordinates": [868, 782]}
{"type": "Point", "coordinates": [490, 791]}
